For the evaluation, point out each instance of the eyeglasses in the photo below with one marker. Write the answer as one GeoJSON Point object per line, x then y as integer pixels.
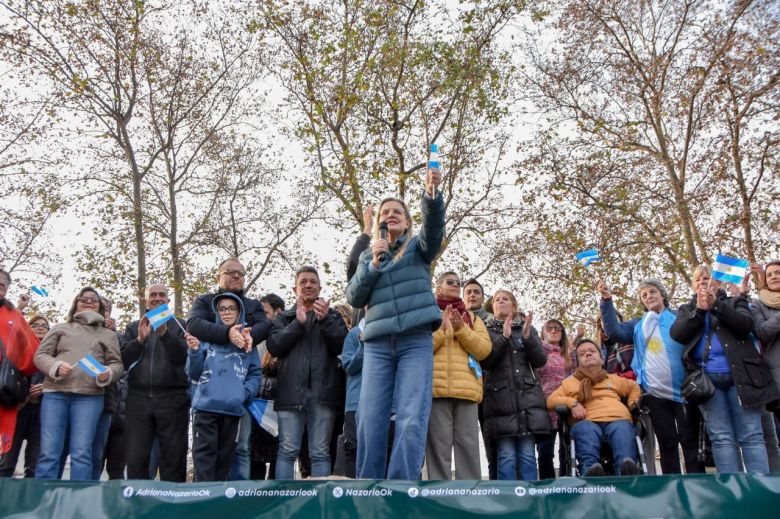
{"type": "Point", "coordinates": [553, 328]}
{"type": "Point", "coordinates": [88, 300]}
{"type": "Point", "coordinates": [227, 309]}
{"type": "Point", "coordinates": [234, 273]}
{"type": "Point", "coordinates": [452, 282]}
{"type": "Point", "coordinates": [39, 326]}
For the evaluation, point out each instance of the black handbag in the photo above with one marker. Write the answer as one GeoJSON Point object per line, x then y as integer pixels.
{"type": "Point", "coordinates": [697, 387]}
{"type": "Point", "coordinates": [14, 386]}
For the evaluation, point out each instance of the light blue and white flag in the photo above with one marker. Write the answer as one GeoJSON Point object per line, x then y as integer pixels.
{"type": "Point", "coordinates": [589, 256]}
{"type": "Point", "coordinates": [159, 316]}
{"type": "Point", "coordinates": [40, 291]}
{"type": "Point", "coordinates": [91, 366]}
{"type": "Point", "coordinates": [433, 158]}
{"type": "Point", "coordinates": [475, 367]}
{"type": "Point", "coordinates": [265, 416]}
{"type": "Point", "coordinates": [729, 270]}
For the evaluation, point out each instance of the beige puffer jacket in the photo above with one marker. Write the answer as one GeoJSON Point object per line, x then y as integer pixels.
{"type": "Point", "coordinates": [68, 343]}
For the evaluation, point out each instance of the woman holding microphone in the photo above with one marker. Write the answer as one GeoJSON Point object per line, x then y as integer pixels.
{"type": "Point", "coordinates": [393, 280]}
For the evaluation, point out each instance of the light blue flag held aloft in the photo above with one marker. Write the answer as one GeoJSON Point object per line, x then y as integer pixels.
{"type": "Point", "coordinates": [263, 412]}
{"type": "Point", "coordinates": [159, 316]}
{"type": "Point", "coordinates": [729, 270]}
{"type": "Point", "coordinates": [40, 291]}
{"type": "Point", "coordinates": [433, 159]}
{"type": "Point", "coordinates": [91, 366]}
{"type": "Point", "coordinates": [589, 256]}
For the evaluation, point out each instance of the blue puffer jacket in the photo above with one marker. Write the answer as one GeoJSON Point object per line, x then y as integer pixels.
{"type": "Point", "coordinates": [398, 293]}
{"type": "Point", "coordinates": [227, 377]}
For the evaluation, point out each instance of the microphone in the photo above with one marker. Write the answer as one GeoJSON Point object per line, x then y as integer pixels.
{"type": "Point", "coordinates": [383, 235]}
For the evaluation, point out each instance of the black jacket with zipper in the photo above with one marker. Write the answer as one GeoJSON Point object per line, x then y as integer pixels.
{"type": "Point", "coordinates": [308, 359]}
{"type": "Point", "coordinates": [733, 322]}
{"type": "Point", "coordinates": [159, 361]}
{"type": "Point", "coordinates": [513, 403]}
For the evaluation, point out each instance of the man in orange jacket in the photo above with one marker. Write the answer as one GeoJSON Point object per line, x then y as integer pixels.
{"type": "Point", "coordinates": [19, 343]}
{"type": "Point", "coordinates": [594, 398]}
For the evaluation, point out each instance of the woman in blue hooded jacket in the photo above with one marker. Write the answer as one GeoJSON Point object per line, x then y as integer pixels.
{"type": "Point", "coordinates": [227, 378]}
{"type": "Point", "coordinates": [393, 280]}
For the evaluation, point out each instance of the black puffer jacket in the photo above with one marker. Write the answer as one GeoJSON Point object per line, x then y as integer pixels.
{"type": "Point", "coordinates": [514, 403]}
{"type": "Point", "coordinates": [733, 322]}
{"type": "Point", "coordinates": [309, 361]}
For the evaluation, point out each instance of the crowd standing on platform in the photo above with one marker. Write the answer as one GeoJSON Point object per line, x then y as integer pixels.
{"type": "Point", "coordinates": [423, 371]}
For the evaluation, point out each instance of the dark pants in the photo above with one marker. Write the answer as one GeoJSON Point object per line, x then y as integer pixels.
{"type": "Point", "coordinates": [350, 444]}
{"type": "Point", "coordinates": [115, 449]}
{"type": "Point", "coordinates": [213, 444]}
{"type": "Point", "coordinates": [28, 427]}
{"type": "Point", "coordinates": [262, 453]}
{"type": "Point", "coordinates": [546, 451]}
{"type": "Point", "coordinates": [490, 448]}
{"type": "Point", "coordinates": [165, 418]}
{"type": "Point", "coordinates": [675, 424]}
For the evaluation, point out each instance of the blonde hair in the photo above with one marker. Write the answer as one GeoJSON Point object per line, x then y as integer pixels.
{"type": "Point", "coordinates": [699, 271]}
{"type": "Point", "coordinates": [511, 298]}
{"type": "Point", "coordinates": [408, 232]}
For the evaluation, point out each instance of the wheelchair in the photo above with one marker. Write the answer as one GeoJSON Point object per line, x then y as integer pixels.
{"type": "Point", "coordinates": [640, 417]}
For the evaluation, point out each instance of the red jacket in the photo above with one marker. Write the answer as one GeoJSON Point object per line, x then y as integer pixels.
{"type": "Point", "coordinates": [20, 344]}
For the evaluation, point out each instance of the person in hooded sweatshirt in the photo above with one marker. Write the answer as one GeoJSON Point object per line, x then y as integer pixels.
{"type": "Point", "coordinates": [72, 398]}
{"type": "Point", "coordinates": [228, 376]}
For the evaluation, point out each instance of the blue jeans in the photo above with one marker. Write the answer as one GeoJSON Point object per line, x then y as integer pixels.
{"type": "Point", "coordinates": [79, 414]}
{"type": "Point", "coordinates": [513, 452]}
{"type": "Point", "coordinates": [730, 426]}
{"type": "Point", "coordinates": [318, 419]}
{"type": "Point", "coordinates": [404, 365]}
{"type": "Point", "coordinates": [99, 444]}
{"type": "Point", "coordinates": [239, 469]}
{"type": "Point", "coordinates": [588, 437]}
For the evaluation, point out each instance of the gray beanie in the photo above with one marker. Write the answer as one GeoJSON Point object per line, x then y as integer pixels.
{"type": "Point", "coordinates": [654, 283]}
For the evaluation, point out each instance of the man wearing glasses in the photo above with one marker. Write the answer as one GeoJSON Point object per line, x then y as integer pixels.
{"type": "Point", "coordinates": [202, 323]}
{"type": "Point", "coordinates": [157, 405]}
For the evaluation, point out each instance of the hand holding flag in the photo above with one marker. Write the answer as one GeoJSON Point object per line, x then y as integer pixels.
{"type": "Point", "coordinates": [93, 367]}
{"type": "Point", "coordinates": [159, 316]}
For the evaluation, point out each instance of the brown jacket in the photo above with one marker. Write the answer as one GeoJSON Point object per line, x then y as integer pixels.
{"type": "Point", "coordinates": [606, 404]}
{"type": "Point", "coordinates": [452, 377]}
{"type": "Point", "coordinates": [68, 343]}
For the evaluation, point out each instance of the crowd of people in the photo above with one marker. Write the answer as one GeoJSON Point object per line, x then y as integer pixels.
{"type": "Point", "coordinates": [392, 384]}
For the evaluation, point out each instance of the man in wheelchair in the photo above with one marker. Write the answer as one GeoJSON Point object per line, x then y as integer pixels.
{"type": "Point", "coordinates": [598, 412]}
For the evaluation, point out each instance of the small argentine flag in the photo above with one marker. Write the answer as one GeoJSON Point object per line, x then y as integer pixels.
{"type": "Point", "coordinates": [40, 291]}
{"type": "Point", "coordinates": [729, 270]}
{"type": "Point", "coordinates": [589, 256]}
{"type": "Point", "coordinates": [159, 316]}
{"type": "Point", "coordinates": [263, 412]}
{"type": "Point", "coordinates": [475, 367]}
{"type": "Point", "coordinates": [91, 366]}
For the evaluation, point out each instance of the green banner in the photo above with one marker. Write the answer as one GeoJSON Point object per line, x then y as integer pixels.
{"type": "Point", "coordinates": [639, 497]}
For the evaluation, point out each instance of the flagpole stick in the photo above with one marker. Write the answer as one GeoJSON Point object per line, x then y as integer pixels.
{"type": "Point", "coordinates": [180, 326]}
